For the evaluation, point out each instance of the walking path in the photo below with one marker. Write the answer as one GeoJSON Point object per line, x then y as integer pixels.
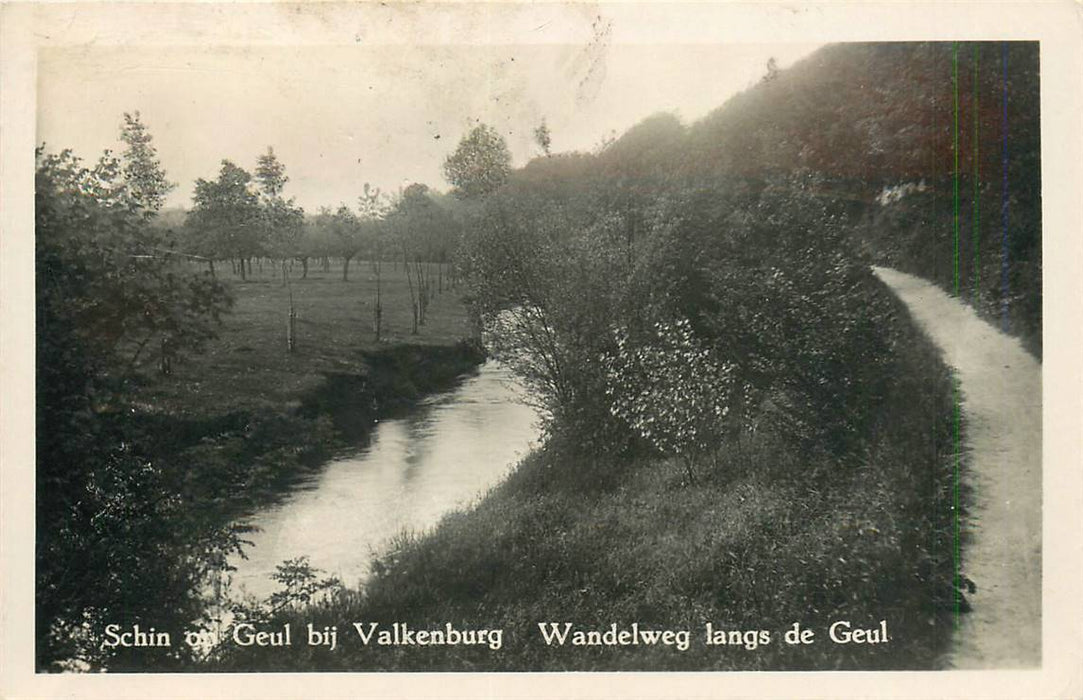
{"type": "Point", "coordinates": [1001, 392]}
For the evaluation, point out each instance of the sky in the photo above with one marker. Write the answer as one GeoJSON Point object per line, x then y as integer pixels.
{"type": "Point", "coordinates": [339, 116]}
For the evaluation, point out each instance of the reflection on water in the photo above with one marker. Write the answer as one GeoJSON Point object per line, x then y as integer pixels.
{"type": "Point", "coordinates": [448, 451]}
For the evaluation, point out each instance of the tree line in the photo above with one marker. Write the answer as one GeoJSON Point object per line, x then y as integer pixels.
{"type": "Point", "coordinates": [242, 217]}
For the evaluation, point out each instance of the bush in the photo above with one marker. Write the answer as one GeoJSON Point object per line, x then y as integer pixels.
{"type": "Point", "coordinates": [671, 391]}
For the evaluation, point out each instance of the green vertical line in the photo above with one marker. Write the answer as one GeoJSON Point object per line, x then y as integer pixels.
{"type": "Point", "coordinates": [955, 153]}
{"type": "Point", "coordinates": [977, 189]}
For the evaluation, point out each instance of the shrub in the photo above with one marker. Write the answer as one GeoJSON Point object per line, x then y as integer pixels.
{"type": "Point", "coordinates": [672, 391]}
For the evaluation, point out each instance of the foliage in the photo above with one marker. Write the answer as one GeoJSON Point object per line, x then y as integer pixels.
{"type": "Point", "coordinates": [270, 174]}
{"type": "Point", "coordinates": [300, 584]}
{"type": "Point", "coordinates": [671, 391]}
{"type": "Point", "coordinates": [870, 117]}
{"type": "Point", "coordinates": [543, 137]}
{"type": "Point", "coordinates": [284, 232]}
{"type": "Point", "coordinates": [115, 545]}
{"type": "Point", "coordinates": [225, 221]}
{"type": "Point", "coordinates": [547, 293]}
{"type": "Point", "coordinates": [349, 236]}
{"type": "Point", "coordinates": [480, 164]}
{"type": "Point", "coordinates": [425, 231]}
{"type": "Point", "coordinates": [282, 219]}
{"type": "Point", "coordinates": [112, 281]}
{"type": "Point", "coordinates": [141, 171]}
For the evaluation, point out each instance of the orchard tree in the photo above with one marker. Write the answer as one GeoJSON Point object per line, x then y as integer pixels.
{"type": "Point", "coordinates": [347, 231]}
{"type": "Point", "coordinates": [417, 222]}
{"type": "Point", "coordinates": [319, 241]}
{"type": "Point", "coordinates": [283, 228]}
{"type": "Point", "coordinates": [226, 216]}
{"type": "Point", "coordinates": [283, 220]}
{"type": "Point", "coordinates": [480, 163]}
{"type": "Point", "coordinates": [374, 207]}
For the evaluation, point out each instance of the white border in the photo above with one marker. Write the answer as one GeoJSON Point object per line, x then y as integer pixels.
{"type": "Point", "coordinates": [1059, 27]}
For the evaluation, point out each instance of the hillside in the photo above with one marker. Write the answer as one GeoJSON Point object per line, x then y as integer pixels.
{"type": "Point", "coordinates": [936, 144]}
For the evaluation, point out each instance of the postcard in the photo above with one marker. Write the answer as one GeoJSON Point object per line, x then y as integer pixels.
{"type": "Point", "coordinates": [541, 349]}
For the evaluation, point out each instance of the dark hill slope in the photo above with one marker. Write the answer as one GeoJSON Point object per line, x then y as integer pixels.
{"type": "Point", "coordinates": [940, 142]}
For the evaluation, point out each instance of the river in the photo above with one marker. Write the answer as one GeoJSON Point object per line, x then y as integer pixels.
{"type": "Point", "coordinates": [444, 455]}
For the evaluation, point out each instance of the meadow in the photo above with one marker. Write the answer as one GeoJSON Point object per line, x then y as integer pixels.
{"type": "Point", "coordinates": [249, 366]}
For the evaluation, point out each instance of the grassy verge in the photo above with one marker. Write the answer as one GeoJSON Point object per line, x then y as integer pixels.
{"type": "Point", "coordinates": [765, 542]}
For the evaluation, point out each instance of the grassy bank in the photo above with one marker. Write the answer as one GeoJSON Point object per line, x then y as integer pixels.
{"type": "Point", "coordinates": [247, 366]}
{"type": "Point", "coordinates": [763, 542]}
{"type": "Point", "coordinates": [238, 423]}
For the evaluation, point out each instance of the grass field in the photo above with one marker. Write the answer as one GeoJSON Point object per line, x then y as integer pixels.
{"type": "Point", "coordinates": [248, 367]}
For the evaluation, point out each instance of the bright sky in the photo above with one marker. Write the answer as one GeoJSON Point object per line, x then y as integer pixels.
{"type": "Point", "coordinates": [340, 116]}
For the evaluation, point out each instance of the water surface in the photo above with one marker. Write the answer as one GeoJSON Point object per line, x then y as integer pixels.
{"type": "Point", "coordinates": [445, 454]}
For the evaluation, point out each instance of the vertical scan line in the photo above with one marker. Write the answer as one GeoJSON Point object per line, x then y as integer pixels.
{"type": "Point", "coordinates": [975, 232]}
{"type": "Point", "coordinates": [1004, 189]}
{"type": "Point", "coordinates": [955, 154]}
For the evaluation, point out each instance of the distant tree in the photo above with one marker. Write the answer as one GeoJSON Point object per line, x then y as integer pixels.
{"type": "Point", "coordinates": [226, 216]}
{"type": "Point", "coordinates": [543, 137]}
{"type": "Point", "coordinates": [373, 203]}
{"type": "Point", "coordinates": [480, 163]}
{"type": "Point", "coordinates": [374, 207]}
{"type": "Point", "coordinates": [348, 237]}
{"type": "Point", "coordinates": [270, 174]}
{"type": "Point", "coordinates": [283, 224]}
{"type": "Point", "coordinates": [320, 241]}
{"type": "Point", "coordinates": [772, 70]}
{"type": "Point", "coordinates": [418, 223]}
{"type": "Point", "coordinates": [142, 172]}
{"type": "Point", "coordinates": [283, 220]}
{"type": "Point", "coordinates": [284, 232]}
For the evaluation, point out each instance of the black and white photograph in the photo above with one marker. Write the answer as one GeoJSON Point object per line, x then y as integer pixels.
{"type": "Point", "coordinates": [644, 340]}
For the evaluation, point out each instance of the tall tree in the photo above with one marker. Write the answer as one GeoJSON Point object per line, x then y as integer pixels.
{"type": "Point", "coordinates": [226, 215]}
{"type": "Point", "coordinates": [417, 222]}
{"type": "Point", "coordinates": [480, 163]}
{"type": "Point", "coordinates": [271, 174]}
{"type": "Point", "coordinates": [283, 220]}
{"type": "Point", "coordinates": [142, 172]}
{"type": "Point", "coordinates": [374, 207]}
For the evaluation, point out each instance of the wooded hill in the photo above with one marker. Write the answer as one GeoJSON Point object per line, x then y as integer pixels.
{"type": "Point", "coordinates": [936, 144]}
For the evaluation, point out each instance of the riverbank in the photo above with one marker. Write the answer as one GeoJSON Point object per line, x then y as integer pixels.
{"type": "Point", "coordinates": [767, 541]}
{"type": "Point", "coordinates": [233, 427]}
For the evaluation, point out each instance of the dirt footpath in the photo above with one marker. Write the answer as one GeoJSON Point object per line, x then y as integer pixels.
{"type": "Point", "coordinates": [1001, 392]}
